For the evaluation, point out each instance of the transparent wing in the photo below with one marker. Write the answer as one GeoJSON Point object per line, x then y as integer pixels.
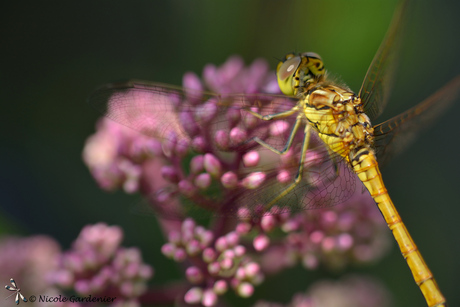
{"type": "Point", "coordinates": [377, 84]}
{"type": "Point", "coordinates": [163, 111]}
{"type": "Point", "coordinates": [397, 133]}
{"type": "Point", "coordinates": [324, 184]}
{"type": "Point", "coordinates": [223, 127]}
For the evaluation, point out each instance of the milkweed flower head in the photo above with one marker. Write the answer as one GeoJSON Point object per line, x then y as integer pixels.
{"type": "Point", "coordinates": [98, 265]}
{"type": "Point", "coordinates": [214, 265]}
{"type": "Point", "coordinates": [195, 156]}
{"type": "Point", "coordinates": [108, 155]}
{"type": "Point", "coordinates": [351, 233]}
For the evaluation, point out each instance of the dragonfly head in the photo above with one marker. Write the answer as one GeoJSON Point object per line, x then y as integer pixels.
{"type": "Point", "coordinates": [296, 72]}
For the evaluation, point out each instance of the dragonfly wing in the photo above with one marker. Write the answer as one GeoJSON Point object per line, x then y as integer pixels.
{"type": "Point", "coordinates": [148, 108]}
{"type": "Point", "coordinates": [163, 111]}
{"type": "Point", "coordinates": [377, 84]}
{"type": "Point", "coordinates": [397, 133]}
{"type": "Point", "coordinates": [326, 181]}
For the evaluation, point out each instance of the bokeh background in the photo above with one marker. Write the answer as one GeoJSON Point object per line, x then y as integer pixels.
{"type": "Point", "coordinates": [54, 53]}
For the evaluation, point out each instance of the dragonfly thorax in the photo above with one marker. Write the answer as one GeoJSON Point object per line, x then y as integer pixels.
{"type": "Point", "coordinates": [337, 115]}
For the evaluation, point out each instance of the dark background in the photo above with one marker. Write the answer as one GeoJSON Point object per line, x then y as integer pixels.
{"type": "Point", "coordinates": [54, 53]}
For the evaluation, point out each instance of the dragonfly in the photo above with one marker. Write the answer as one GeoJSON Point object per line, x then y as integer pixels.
{"type": "Point", "coordinates": [320, 124]}
{"type": "Point", "coordinates": [16, 290]}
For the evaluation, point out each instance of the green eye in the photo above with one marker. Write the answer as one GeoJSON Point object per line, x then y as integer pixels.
{"type": "Point", "coordinates": [285, 72]}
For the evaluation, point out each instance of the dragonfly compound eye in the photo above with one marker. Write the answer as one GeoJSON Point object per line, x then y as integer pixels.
{"type": "Point", "coordinates": [285, 73]}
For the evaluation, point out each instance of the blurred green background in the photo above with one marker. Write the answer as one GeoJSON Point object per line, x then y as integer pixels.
{"type": "Point", "coordinates": [54, 53]}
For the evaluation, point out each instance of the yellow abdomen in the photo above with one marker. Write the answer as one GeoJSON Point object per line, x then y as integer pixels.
{"type": "Point", "coordinates": [365, 166]}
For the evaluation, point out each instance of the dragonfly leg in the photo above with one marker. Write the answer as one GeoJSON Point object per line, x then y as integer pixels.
{"type": "Point", "coordinates": [274, 115]}
{"type": "Point", "coordinates": [288, 143]}
{"type": "Point", "coordinates": [298, 177]}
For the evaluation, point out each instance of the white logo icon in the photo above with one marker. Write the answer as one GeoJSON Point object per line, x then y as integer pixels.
{"type": "Point", "coordinates": [16, 289]}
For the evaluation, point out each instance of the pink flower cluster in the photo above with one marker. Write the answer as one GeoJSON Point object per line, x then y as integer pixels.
{"type": "Point", "coordinates": [97, 265]}
{"type": "Point", "coordinates": [213, 265]}
{"type": "Point", "coordinates": [351, 233]}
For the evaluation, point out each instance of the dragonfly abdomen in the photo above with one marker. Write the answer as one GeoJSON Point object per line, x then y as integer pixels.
{"type": "Point", "coordinates": [365, 166]}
